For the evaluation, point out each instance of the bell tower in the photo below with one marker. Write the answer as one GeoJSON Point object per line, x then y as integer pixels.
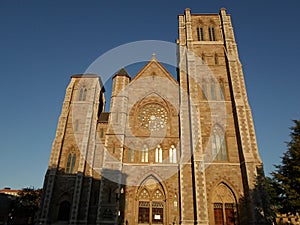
{"type": "Point", "coordinates": [218, 131]}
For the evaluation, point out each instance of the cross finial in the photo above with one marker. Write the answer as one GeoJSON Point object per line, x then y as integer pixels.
{"type": "Point", "coordinates": [153, 55]}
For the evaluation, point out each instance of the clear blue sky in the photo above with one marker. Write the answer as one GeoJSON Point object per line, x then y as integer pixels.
{"type": "Point", "coordinates": [43, 42]}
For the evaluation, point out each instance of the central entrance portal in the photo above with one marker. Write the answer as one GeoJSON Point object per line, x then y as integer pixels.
{"type": "Point", "coordinates": [151, 212]}
{"type": "Point", "coordinates": [151, 202]}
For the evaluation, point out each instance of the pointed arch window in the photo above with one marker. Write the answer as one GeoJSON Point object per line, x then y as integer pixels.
{"type": "Point", "coordinates": [82, 94]}
{"type": "Point", "coordinates": [216, 59]}
{"type": "Point", "coordinates": [64, 211]}
{"type": "Point", "coordinates": [158, 154]}
{"type": "Point", "coordinates": [145, 151]}
{"type": "Point", "coordinates": [130, 156]}
{"type": "Point", "coordinates": [204, 91]}
{"type": "Point", "coordinates": [218, 143]}
{"type": "Point", "coordinates": [202, 59]}
{"type": "Point", "coordinates": [76, 125]}
{"type": "Point", "coordinates": [173, 154]}
{"type": "Point", "coordinates": [71, 163]}
{"type": "Point", "coordinates": [200, 34]}
{"type": "Point", "coordinates": [212, 90]}
{"type": "Point", "coordinates": [211, 32]}
{"type": "Point", "coordinates": [221, 90]}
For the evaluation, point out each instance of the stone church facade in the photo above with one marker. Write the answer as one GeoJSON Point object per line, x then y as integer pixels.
{"type": "Point", "coordinates": [169, 151]}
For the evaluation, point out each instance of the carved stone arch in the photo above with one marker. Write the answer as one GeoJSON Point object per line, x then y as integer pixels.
{"type": "Point", "coordinates": [143, 193]}
{"type": "Point", "coordinates": [65, 196]}
{"type": "Point", "coordinates": [153, 96]}
{"type": "Point", "coordinates": [221, 81]}
{"type": "Point", "coordinates": [151, 206]}
{"type": "Point", "coordinates": [157, 194]}
{"type": "Point", "coordinates": [151, 182]}
{"type": "Point", "coordinates": [165, 96]}
{"type": "Point", "coordinates": [228, 181]}
{"type": "Point", "coordinates": [223, 193]}
{"type": "Point", "coordinates": [72, 148]}
{"type": "Point", "coordinates": [64, 207]}
{"type": "Point", "coordinates": [150, 98]}
{"type": "Point", "coordinates": [220, 129]}
{"type": "Point", "coordinates": [218, 125]}
{"type": "Point", "coordinates": [67, 150]}
{"type": "Point", "coordinates": [224, 204]}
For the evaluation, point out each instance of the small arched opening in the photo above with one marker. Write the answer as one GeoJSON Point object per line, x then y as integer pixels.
{"type": "Point", "coordinates": [64, 211]}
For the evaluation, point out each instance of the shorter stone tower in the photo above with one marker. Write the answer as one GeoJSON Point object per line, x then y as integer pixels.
{"type": "Point", "coordinates": [70, 176]}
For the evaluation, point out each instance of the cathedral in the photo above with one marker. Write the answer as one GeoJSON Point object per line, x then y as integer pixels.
{"type": "Point", "coordinates": [169, 151]}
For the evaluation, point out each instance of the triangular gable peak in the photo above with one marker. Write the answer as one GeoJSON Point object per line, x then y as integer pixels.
{"type": "Point", "coordinates": [154, 69]}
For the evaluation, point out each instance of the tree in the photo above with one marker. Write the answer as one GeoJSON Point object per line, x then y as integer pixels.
{"type": "Point", "coordinates": [26, 206]}
{"type": "Point", "coordinates": [30, 197]}
{"type": "Point", "coordinates": [264, 213]}
{"type": "Point", "coordinates": [287, 175]}
{"type": "Point", "coordinates": [273, 192]}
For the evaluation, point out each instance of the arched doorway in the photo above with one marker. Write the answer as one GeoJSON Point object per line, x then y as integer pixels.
{"type": "Point", "coordinates": [224, 206]}
{"type": "Point", "coordinates": [64, 211]}
{"type": "Point", "coordinates": [151, 202]}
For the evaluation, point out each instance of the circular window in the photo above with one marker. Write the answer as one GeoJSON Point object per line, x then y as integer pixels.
{"type": "Point", "coordinates": [153, 117]}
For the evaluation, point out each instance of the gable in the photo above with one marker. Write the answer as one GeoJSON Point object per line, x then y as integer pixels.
{"type": "Point", "coordinates": [155, 70]}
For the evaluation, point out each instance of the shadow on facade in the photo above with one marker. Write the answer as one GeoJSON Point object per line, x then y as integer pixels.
{"type": "Point", "coordinates": [259, 201]}
{"type": "Point", "coordinates": [80, 199]}
{"type": "Point", "coordinates": [6, 204]}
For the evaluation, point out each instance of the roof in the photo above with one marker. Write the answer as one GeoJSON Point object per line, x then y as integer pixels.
{"type": "Point", "coordinates": [10, 192]}
{"type": "Point", "coordinates": [152, 62]}
{"type": "Point", "coordinates": [86, 75]}
{"type": "Point", "coordinates": [122, 72]}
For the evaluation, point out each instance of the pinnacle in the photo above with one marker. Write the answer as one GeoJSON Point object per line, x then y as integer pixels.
{"type": "Point", "coordinates": [122, 72]}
